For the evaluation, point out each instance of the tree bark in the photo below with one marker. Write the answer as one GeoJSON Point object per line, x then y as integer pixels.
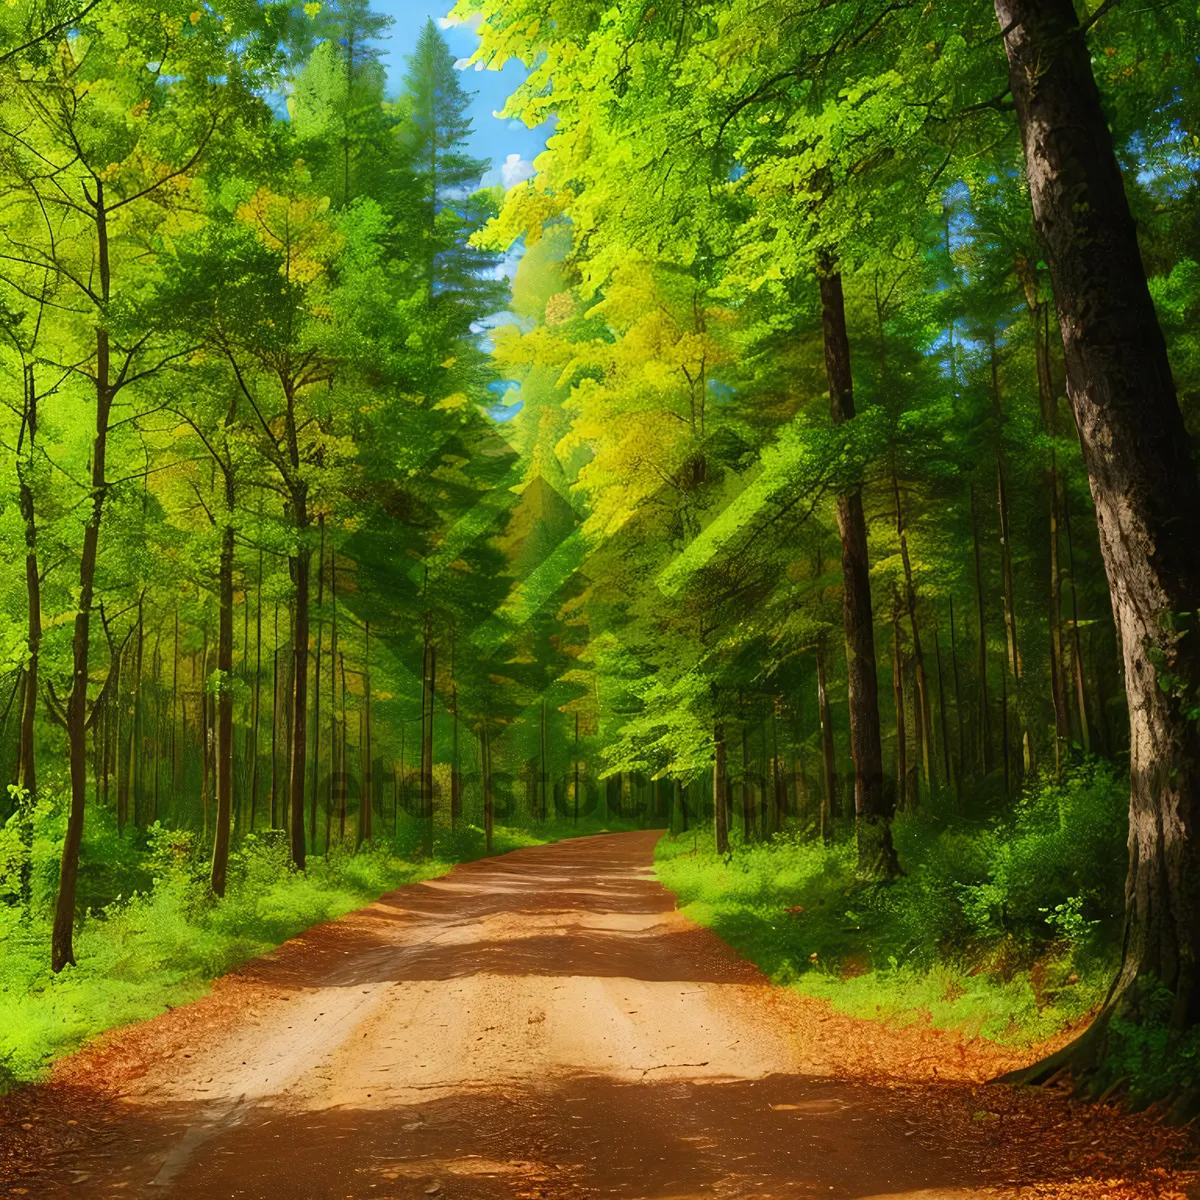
{"type": "Point", "coordinates": [220, 858]}
{"type": "Point", "coordinates": [910, 598]}
{"type": "Point", "coordinates": [720, 782]}
{"type": "Point", "coordinates": [316, 749]}
{"type": "Point", "coordinates": [873, 814]}
{"type": "Point", "coordinates": [62, 948]}
{"type": "Point", "coordinates": [901, 733]}
{"type": "Point", "coordinates": [488, 805]}
{"type": "Point", "coordinates": [26, 758]}
{"type": "Point", "coordinates": [985, 721]}
{"type": "Point", "coordinates": [1143, 482]}
{"type": "Point", "coordinates": [828, 763]}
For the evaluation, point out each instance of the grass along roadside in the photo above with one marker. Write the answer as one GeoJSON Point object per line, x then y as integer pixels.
{"type": "Point", "coordinates": [155, 937]}
{"type": "Point", "coordinates": [1006, 931]}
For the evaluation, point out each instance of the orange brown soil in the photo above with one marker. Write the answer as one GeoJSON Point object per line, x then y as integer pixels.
{"type": "Point", "coordinates": [546, 1024]}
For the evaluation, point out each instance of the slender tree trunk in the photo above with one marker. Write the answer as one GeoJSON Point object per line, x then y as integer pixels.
{"type": "Point", "coordinates": [1143, 482]}
{"type": "Point", "coordinates": [777, 772]}
{"type": "Point", "coordinates": [872, 812]}
{"type": "Point", "coordinates": [256, 703]}
{"type": "Point", "coordinates": [175, 763]}
{"type": "Point", "coordinates": [720, 783]}
{"type": "Point", "coordinates": [334, 655]}
{"type": "Point", "coordinates": [901, 734]}
{"type": "Point", "coordinates": [747, 795]}
{"type": "Point", "coordinates": [428, 670]}
{"type": "Point", "coordinates": [828, 762]}
{"type": "Point", "coordinates": [985, 724]}
{"type": "Point", "coordinates": [62, 948]}
{"type": "Point", "coordinates": [489, 814]}
{"type": "Point", "coordinates": [542, 761]}
{"type": "Point", "coordinates": [157, 719]}
{"type": "Point", "coordinates": [205, 776]}
{"type": "Point", "coordinates": [26, 764]}
{"type": "Point", "coordinates": [316, 749]}
{"type": "Point", "coordinates": [910, 597]}
{"type": "Point", "coordinates": [342, 780]}
{"type": "Point", "coordinates": [220, 858]}
{"type": "Point", "coordinates": [950, 775]}
{"type": "Point", "coordinates": [455, 772]}
{"type": "Point", "coordinates": [299, 747]}
{"type": "Point", "coordinates": [275, 723]}
{"type": "Point", "coordinates": [135, 722]}
{"type": "Point", "coordinates": [961, 765]}
{"type": "Point", "coordinates": [366, 793]}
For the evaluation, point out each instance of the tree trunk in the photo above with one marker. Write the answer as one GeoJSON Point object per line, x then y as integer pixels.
{"type": "Point", "coordinates": [220, 858]}
{"type": "Point", "coordinates": [910, 597]}
{"type": "Point", "coordinates": [1077, 651]}
{"type": "Point", "coordinates": [175, 747]}
{"type": "Point", "coordinates": [747, 794]}
{"type": "Point", "coordinates": [985, 723]}
{"type": "Point", "coordinates": [275, 723]}
{"type": "Point", "coordinates": [256, 703]}
{"type": "Point", "coordinates": [135, 722]}
{"type": "Point", "coordinates": [720, 782]}
{"type": "Point", "coordinates": [901, 734]}
{"type": "Point", "coordinates": [428, 681]}
{"type": "Point", "coordinates": [1144, 485]}
{"type": "Point", "coordinates": [872, 812]}
{"type": "Point", "coordinates": [316, 750]}
{"type": "Point", "coordinates": [26, 764]}
{"type": "Point", "coordinates": [299, 747]}
{"type": "Point", "coordinates": [334, 656]}
{"type": "Point", "coordinates": [62, 947]}
{"type": "Point", "coordinates": [828, 762]}
{"type": "Point", "coordinates": [488, 808]}
{"type": "Point", "coordinates": [366, 793]}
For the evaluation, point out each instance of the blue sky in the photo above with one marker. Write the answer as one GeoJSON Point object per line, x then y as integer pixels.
{"type": "Point", "coordinates": [493, 138]}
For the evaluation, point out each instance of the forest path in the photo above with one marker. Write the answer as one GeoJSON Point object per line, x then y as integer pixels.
{"type": "Point", "coordinates": [542, 1024]}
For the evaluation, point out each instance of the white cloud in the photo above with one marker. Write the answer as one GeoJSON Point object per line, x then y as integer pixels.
{"type": "Point", "coordinates": [447, 22]}
{"type": "Point", "coordinates": [515, 170]}
{"type": "Point", "coordinates": [461, 64]}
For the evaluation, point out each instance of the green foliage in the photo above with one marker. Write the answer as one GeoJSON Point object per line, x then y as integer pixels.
{"type": "Point", "coordinates": [1004, 929]}
{"type": "Point", "coordinates": [154, 936]}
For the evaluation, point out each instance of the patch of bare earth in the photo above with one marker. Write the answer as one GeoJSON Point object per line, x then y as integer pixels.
{"type": "Point", "coordinates": [547, 1025]}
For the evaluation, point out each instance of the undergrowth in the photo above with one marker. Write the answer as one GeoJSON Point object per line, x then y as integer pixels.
{"type": "Point", "coordinates": [151, 935]}
{"type": "Point", "coordinates": [1007, 930]}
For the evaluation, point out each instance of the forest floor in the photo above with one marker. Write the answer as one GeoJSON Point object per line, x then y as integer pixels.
{"type": "Point", "coordinates": [544, 1025]}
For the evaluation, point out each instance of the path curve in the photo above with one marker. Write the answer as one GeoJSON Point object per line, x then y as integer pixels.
{"type": "Point", "coordinates": [540, 1025]}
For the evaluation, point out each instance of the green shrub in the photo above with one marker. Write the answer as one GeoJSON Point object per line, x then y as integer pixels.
{"type": "Point", "coordinates": [1007, 928]}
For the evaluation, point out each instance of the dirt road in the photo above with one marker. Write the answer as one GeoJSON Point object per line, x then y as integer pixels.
{"type": "Point", "coordinates": [542, 1025]}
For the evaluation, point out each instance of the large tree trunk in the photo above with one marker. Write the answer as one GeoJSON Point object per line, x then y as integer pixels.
{"type": "Point", "coordinates": [1143, 482]}
{"type": "Point", "coordinates": [220, 858]}
{"type": "Point", "coordinates": [872, 811]}
{"type": "Point", "coordinates": [62, 949]}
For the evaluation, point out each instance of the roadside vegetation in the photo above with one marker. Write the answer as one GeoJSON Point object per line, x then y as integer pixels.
{"type": "Point", "coordinates": [153, 935]}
